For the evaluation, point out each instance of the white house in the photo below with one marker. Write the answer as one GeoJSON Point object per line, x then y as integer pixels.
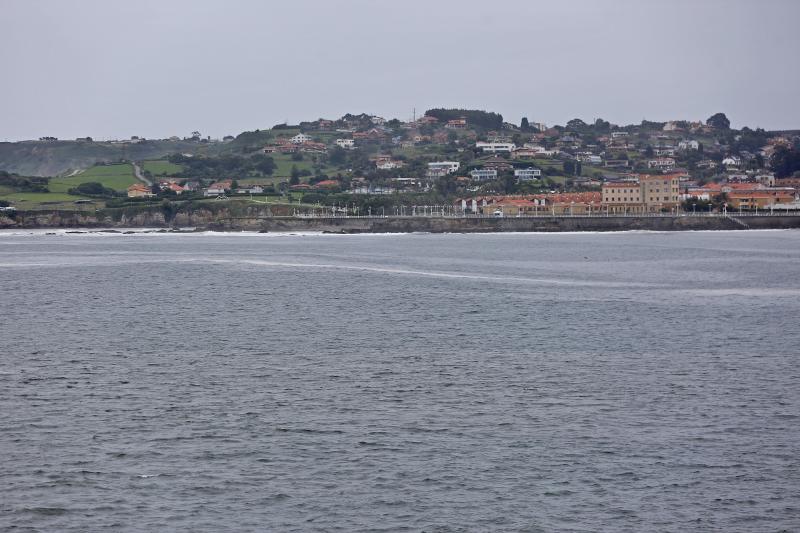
{"type": "Point", "coordinates": [590, 159]}
{"type": "Point", "coordinates": [250, 189]}
{"type": "Point", "coordinates": [483, 174]}
{"type": "Point", "coordinates": [662, 163]}
{"type": "Point", "coordinates": [688, 145]}
{"type": "Point", "coordinates": [388, 164]}
{"type": "Point", "coordinates": [300, 138]}
{"type": "Point", "coordinates": [732, 161]}
{"type": "Point", "coordinates": [618, 134]}
{"type": "Point", "coordinates": [378, 121]}
{"type": "Point", "coordinates": [437, 169]}
{"type": "Point", "coordinates": [347, 144]}
{"type": "Point", "coordinates": [527, 174]}
{"type": "Point", "coordinates": [495, 147]}
{"type": "Point", "coordinates": [539, 149]}
{"type": "Point", "coordinates": [214, 191]}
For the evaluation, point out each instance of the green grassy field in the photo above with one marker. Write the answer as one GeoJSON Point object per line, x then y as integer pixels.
{"type": "Point", "coordinates": [49, 200]}
{"type": "Point", "coordinates": [118, 177]}
{"type": "Point", "coordinates": [161, 167]}
{"type": "Point", "coordinates": [284, 162]}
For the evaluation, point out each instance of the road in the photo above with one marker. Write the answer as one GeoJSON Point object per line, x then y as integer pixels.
{"type": "Point", "coordinates": [139, 175]}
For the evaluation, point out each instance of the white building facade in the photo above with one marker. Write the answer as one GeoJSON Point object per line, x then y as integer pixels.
{"type": "Point", "coordinates": [483, 174]}
{"type": "Point", "coordinates": [495, 147]}
{"type": "Point", "coordinates": [347, 144]}
{"type": "Point", "coordinates": [438, 169]}
{"type": "Point", "coordinates": [527, 174]}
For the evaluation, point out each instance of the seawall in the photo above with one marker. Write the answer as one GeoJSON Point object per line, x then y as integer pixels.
{"type": "Point", "coordinates": [531, 224]}
{"type": "Point", "coordinates": [258, 220]}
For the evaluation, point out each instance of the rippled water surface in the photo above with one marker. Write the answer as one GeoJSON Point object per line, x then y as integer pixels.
{"type": "Point", "coordinates": [511, 382]}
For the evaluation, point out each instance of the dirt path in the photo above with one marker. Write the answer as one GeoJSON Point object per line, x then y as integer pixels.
{"type": "Point", "coordinates": [137, 171]}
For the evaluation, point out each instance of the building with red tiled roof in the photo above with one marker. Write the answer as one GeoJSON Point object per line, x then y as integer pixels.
{"type": "Point", "coordinates": [761, 199]}
{"type": "Point", "coordinates": [139, 190]}
{"type": "Point", "coordinates": [456, 124]}
{"type": "Point", "coordinates": [577, 203]}
{"type": "Point", "coordinates": [328, 184]}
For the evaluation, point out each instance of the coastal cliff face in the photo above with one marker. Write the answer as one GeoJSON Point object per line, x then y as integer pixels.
{"type": "Point", "coordinates": [226, 217]}
{"type": "Point", "coordinates": [215, 217]}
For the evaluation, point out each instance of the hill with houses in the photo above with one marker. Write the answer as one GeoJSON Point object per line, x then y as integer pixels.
{"type": "Point", "coordinates": [470, 158]}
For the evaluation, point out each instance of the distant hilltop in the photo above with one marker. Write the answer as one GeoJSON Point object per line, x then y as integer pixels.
{"type": "Point", "coordinates": [50, 156]}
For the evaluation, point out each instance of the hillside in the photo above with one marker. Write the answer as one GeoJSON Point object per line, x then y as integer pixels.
{"type": "Point", "coordinates": [54, 158]}
{"type": "Point", "coordinates": [118, 177]}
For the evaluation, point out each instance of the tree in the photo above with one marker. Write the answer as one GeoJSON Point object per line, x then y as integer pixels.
{"type": "Point", "coordinates": [337, 156]}
{"type": "Point", "coordinates": [719, 121]}
{"type": "Point", "coordinates": [481, 119]}
{"type": "Point", "coordinates": [576, 124]}
{"type": "Point", "coordinates": [524, 125]}
{"type": "Point", "coordinates": [265, 165]}
{"type": "Point", "coordinates": [785, 161]}
{"type": "Point", "coordinates": [602, 126]}
{"type": "Point", "coordinates": [295, 176]}
{"type": "Point", "coordinates": [92, 188]}
{"type": "Point", "coordinates": [569, 167]}
{"type": "Point", "coordinates": [509, 183]}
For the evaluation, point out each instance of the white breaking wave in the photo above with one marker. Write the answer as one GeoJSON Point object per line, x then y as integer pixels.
{"type": "Point", "coordinates": [117, 260]}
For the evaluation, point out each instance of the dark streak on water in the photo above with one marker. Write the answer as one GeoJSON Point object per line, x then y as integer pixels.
{"type": "Point", "coordinates": [632, 382]}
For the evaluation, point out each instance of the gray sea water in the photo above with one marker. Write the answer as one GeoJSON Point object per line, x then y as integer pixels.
{"type": "Point", "coordinates": [505, 382]}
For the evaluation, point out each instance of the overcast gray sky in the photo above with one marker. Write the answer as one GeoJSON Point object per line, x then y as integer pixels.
{"type": "Point", "coordinates": [157, 68]}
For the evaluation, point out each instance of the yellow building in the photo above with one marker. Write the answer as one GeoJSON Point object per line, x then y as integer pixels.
{"type": "Point", "coordinates": [622, 197]}
{"type": "Point", "coordinates": [652, 194]}
{"type": "Point", "coordinates": [659, 192]}
{"type": "Point", "coordinates": [761, 199]}
{"type": "Point", "coordinates": [138, 190]}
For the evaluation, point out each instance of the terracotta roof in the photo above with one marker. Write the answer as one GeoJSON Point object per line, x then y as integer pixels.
{"type": "Point", "coordinates": [760, 194]}
{"type": "Point", "coordinates": [515, 202]}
